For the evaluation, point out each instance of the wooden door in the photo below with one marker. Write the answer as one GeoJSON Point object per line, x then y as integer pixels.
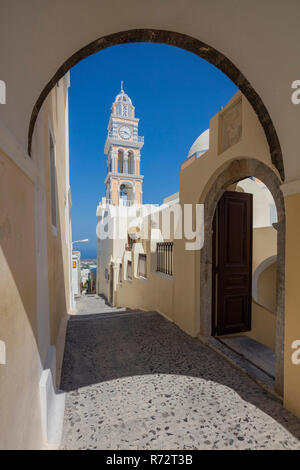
{"type": "Point", "coordinates": [232, 259]}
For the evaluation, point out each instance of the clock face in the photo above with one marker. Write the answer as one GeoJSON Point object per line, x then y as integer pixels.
{"type": "Point", "coordinates": [124, 132]}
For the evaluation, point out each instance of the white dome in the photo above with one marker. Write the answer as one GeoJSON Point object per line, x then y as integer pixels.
{"type": "Point", "coordinates": [201, 144]}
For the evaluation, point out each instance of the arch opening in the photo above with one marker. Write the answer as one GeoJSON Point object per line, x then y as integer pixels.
{"type": "Point", "coordinates": [187, 43]}
{"type": "Point", "coordinates": [126, 194]}
{"type": "Point", "coordinates": [131, 170]}
{"type": "Point", "coordinates": [121, 167]}
{"type": "Point", "coordinates": [234, 172]}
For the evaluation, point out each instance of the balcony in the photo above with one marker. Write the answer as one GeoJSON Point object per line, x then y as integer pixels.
{"type": "Point", "coordinates": [122, 202]}
{"type": "Point", "coordinates": [114, 135]}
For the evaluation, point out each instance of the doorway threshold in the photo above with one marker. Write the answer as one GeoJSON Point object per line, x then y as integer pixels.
{"type": "Point", "coordinates": [238, 360]}
{"type": "Point", "coordinates": [256, 353]}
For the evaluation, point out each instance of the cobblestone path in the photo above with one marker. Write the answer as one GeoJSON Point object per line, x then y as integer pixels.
{"type": "Point", "coordinates": [136, 381]}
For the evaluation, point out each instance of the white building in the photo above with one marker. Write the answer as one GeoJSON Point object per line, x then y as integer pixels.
{"type": "Point", "coordinates": [76, 273]}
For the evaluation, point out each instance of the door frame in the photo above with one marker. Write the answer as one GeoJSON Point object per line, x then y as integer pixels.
{"type": "Point", "coordinates": [233, 172]}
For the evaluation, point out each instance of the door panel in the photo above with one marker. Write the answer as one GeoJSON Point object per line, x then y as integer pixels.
{"type": "Point", "coordinates": [233, 263]}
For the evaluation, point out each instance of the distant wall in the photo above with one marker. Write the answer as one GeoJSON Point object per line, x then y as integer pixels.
{"type": "Point", "coordinates": [266, 288]}
{"type": "Point", "coordinates": [264, 244]}
{"type": "Point", "coordinates": [153, 293]}
{"type": "Point", "coordinates": [263, 327]}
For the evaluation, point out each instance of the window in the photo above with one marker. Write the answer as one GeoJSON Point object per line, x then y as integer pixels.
{"type": "Point", "coordinates": [164, 258]}
{"type": "Point", "coordinates": [53, 182]}
{"type": "Point", "coordinates": [130, 163]}
{"type": "Point", "coordinates": [121, 162]}
{"type": "Point", "coordinates": [142, 265]}
{"type": "Point", "coordinates": [129, 270]}
{"type": "Point", "coordinates": [129, 243]}
{"type": "Point", "coordinates": [120, 273]}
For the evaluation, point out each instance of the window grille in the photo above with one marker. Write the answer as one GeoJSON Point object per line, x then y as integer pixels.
{"type": "Point", "coordinates": [164, 257]}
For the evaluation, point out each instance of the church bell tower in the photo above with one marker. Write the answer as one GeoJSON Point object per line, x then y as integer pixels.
{"type": "Point", "coordinates": [123, 150]}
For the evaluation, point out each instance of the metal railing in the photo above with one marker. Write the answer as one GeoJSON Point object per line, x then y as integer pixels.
{"type": "Point", "coordinates": [164, 258]}
{"type": "Point", "coordinates": [115, 136]}
{"type": "Point", "coordinates": [126, 202]}
{"type": "Point", "coordinates": [122, 202]}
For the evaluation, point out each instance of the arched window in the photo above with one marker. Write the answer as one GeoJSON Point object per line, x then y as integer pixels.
{"type": "Point", "coordinates": [130, 163]}
{"type": "Point", "coordinates": [120, 162]}
{"type": "Point", "coordinates": [126, 194]}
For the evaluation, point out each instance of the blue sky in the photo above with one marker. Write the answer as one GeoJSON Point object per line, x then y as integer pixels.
{"type": "Point", "coordinates": [174, 92]}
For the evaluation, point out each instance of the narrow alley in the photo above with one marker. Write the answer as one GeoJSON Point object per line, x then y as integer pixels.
{"type": "Point", "coordinates": [136, 381]}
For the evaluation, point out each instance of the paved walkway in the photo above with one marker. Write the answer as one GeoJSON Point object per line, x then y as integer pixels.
{"type": "Point", "coordinates": [135, 381]}
{"type": "Point", "coordinates": [92, 304]}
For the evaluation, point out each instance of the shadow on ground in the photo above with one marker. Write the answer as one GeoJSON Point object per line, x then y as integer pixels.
{"type": "Point", "coordinates": [111, 346]}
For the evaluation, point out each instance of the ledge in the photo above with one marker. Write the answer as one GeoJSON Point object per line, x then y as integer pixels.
{"type": "Point", "coordinates": [293, 187]}
{"type": "Point", "coordinates": [167, 277]}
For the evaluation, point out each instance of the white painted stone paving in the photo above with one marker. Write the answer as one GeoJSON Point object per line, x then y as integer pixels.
{"type": "Point", "coordinates": [136, 381]}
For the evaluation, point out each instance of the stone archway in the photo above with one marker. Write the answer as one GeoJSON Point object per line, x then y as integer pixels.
{"type": "Point", "coordinates": [234, 172]}
{"type": "Point", "coordinates": [187, 43]}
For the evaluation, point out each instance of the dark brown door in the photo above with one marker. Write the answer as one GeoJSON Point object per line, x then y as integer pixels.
{"type": "Point", "coordinates": [232, 264]}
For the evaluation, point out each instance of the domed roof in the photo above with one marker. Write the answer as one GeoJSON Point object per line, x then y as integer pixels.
{"type": "Point", "coordinates": [201, 144]}
{"type": "Point", "coordinates": [122, 96]}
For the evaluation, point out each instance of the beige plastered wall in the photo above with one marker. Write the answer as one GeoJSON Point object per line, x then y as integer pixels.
{"type": "Point", "coordinates": [22, 326]}
{"type": "Point", "coordinates": [263, 327]}
{"type": "Point", "coordinates": [292, 304]}
{"type": "Point", "coordinates": [267, 288]}
{"type": "Point", "coordinates": [264, 244]}
{"type": "Point", "coordinates": [155, 292]}
{"type": "Point", "coordinates": [20, 424]}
